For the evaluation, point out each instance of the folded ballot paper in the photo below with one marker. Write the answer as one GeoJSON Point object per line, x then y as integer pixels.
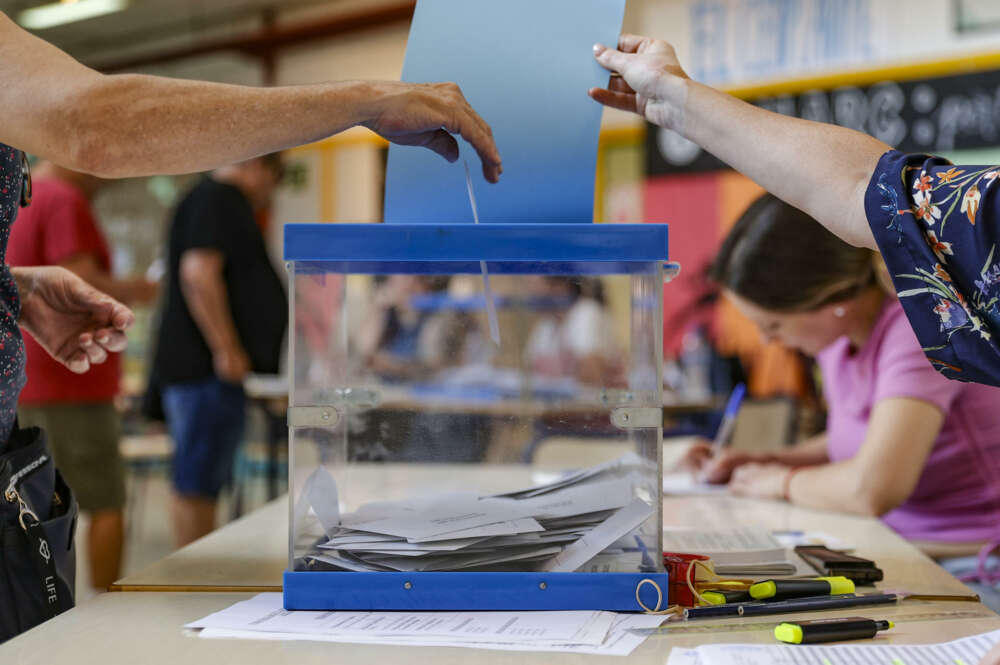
{"type": "Point", "coordinates": [588, 520]}
{"type": "Point", "coordinates": [262, 617]}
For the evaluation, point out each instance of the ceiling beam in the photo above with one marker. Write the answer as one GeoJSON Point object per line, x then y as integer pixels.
{"type": "Point", "coordinates": [263, 43]}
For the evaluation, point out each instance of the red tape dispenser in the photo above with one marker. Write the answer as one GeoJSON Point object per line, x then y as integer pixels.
{"type": "Point", "coordinates": [691, 574]}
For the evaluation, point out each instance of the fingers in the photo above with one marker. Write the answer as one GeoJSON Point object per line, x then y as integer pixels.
{"type": "Point", "coordinates": [440, 142]}
{"type": "Point", "coordinates": [721, 469]}
{"type": "Point", "coordinates": [618, 84]}
{"type": "Point", "coordinates": [111, 339]}
{"type": "Point", "coordinates": [470, 125]}
{"type": "Point", "coordinates": [630, 43]}
{"type": "Point", "coordinates": [618, 100]}
{"type": "Point", "coordinates": [611, 59]}
{"type": "Point", "coordinates": [78, 363]}
{"type": "Point", "coordinates": [95, 352]}
{"type": "Point", "coordinates": [121, 317]}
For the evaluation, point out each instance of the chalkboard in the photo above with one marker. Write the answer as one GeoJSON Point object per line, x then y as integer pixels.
{"type": "Point", "coordinates": [923, 115]}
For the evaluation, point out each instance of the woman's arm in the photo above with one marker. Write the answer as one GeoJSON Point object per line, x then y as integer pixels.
{"type": "Point", "coordinates": [809, 452]}
{"type": "Point", "coordinates": [718, 469]}
{"type": "Point", "coordinates": [821, 169]}
{"type": "Point", "coordinates": [901, 433]}
{"type": "Point", "coordinates": [129, 125]}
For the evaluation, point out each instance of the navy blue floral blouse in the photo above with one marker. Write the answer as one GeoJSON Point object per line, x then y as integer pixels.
{"type": "Point", "coordinates": [938, 228]}
{"type": "Point", "coordinates": [12, 376]}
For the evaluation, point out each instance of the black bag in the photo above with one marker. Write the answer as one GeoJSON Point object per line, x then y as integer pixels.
{"type": "Point", "coordinates": [37, 525]}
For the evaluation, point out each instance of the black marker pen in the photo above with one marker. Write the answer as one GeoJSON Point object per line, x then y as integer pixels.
{"type": "Point", "coordinates": [829, 630]}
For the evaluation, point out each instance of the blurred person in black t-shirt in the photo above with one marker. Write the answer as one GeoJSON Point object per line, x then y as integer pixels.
{"type": "Point", "coordinates": [224, 316]}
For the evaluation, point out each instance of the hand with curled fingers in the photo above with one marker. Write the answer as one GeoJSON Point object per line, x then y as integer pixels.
{"type": "Point", "coordinates": [713, 466]}
{"type": "Point", "coordinates": [428, 115]}
{"type": "Point", "coordinates": [77, 324]}
{"type": "Point", "coordinates": [761, 481]}
{"type": "Point", "coordinates": [649, 82]}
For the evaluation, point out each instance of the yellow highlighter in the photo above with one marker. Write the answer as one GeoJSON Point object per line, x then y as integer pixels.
{"type": "Point", "coordinates": [785, 589]}
{"type": "Point", "coordinates": [829, 630]}
{"type": "Point", "coordinates": [724, 597]}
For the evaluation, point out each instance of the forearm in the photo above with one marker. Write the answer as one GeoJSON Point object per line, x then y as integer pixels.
{"type": "Point", "coordinates": [810, 452]}
{"type": "Point", "coordinates": [208, 302]}
{"type": "Point", "coordinates": [819, 168]}
{"type": "Point", "coordinates": [837, 486]}
{"type": "Point", "coordinates": [141, 125]}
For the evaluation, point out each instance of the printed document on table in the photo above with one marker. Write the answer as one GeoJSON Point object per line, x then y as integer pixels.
{"type": "Point", "coordinates": [725, 545]}
{"type": "Point", "coordinates": [265, 612]}
{"type": "Point", "coordinates": [739, 551]}
{"type": "Point", "coordinates": [964, 651]}
{"type": "Point", "coordinates": [602, 633]}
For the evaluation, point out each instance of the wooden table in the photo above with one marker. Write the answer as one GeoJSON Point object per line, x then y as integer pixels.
{"type": "Point", "coordinates": [250, 553]}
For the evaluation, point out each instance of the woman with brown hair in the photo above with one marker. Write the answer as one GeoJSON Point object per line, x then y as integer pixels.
{"type": "Point", "coordinates": [902, 442]}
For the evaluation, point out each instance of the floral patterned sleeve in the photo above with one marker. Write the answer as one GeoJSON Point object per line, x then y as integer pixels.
{"type": "Point", "coordinates": [937, 226]}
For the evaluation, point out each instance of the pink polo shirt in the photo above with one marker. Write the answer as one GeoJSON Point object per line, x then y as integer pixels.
{"type": "Point", "coordinates": [957, 498]}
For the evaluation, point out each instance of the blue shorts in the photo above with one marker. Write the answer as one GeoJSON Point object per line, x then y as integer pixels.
{"type": "Point", "coordinates": [206, 420]}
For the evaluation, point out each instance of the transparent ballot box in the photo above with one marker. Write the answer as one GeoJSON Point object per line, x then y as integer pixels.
{"type": "Point", "coordinates": [475, 416]}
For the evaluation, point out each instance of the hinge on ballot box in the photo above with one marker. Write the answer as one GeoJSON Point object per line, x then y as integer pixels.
{"type": "Point", "coordinates": [313, 416]}
{"type": "Point", "coordinates": [636, 417]}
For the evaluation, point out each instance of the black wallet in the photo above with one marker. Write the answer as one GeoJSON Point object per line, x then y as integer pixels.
{"type": "Point", "coordinates": [831, 563]}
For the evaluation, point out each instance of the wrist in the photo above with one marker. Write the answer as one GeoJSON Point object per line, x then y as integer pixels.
{"type": "Point", "coordinates": [364, 101]}
{"type": "Point", "coordinates": [24, 280]}
{"type": "Point", "coordinates": [674, 91]}
{"type": "Point", "coordinates": [786, 485]}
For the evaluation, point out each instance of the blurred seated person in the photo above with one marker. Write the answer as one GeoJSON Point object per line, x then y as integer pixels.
{"type": "Point", "coordinates": [575, 337]}
{"type": "Point", "coordinates": [406, 343]}
{"type": "Point", "coordinates": [902, 442]}
{"type": "Point", "coordinates": [401, 342]}
{"type": "Point", "coordinates": [77, 411]}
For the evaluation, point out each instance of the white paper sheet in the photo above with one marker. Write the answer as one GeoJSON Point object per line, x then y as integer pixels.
{"type": "Point", "coordinates": [624, 521]}
{"type": "Point", "coordinates": [441, 519]}
{"type": "Point", "coordinates": [523, 525]}
{"type": "Point", "coordinates": [724, 545]}
{"type": "Point", "coordinates": [617, 638]}
{"type": "Point", "coordinates": [965, 651]}
{"type": "Point", "coordinates": [683, 483]}
{"type": "Point", "coordinates": [588, 498]}
{"type": "Point", "coordinates": [265, 613]}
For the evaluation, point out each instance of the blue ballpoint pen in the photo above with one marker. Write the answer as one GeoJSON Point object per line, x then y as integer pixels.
{"type": "Point", "coordinates": [725, 431]}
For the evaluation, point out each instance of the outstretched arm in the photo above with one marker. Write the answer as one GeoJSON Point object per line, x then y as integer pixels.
{"type": "Point", "coordinates": [819, 168]}
{"type": "Point", "coordinates": [129, 125]}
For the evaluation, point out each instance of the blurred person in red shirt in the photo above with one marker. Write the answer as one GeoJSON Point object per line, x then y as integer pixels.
{"type": "Point", "coordinates": [59, 228]}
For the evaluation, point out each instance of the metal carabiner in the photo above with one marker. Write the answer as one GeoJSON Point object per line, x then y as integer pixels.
{"type": "Point", "coordinates": [24, 510]}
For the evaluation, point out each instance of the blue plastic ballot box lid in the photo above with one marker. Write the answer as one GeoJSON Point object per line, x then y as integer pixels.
{"type": "Point", "coordinates": [470, 591]}
{"type": "Point", "coordinates": [526, 248]}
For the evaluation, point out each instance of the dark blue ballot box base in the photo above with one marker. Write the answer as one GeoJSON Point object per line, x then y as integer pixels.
{"type": "Point", "coordinates": [456, 591]}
